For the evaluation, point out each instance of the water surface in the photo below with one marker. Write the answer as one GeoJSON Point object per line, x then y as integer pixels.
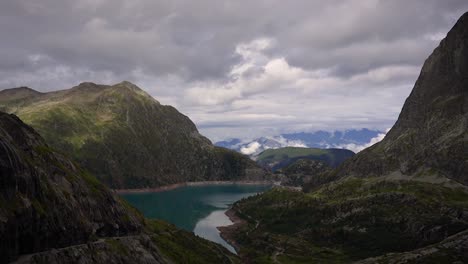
{"type": "Point", "coordinates": [194, 208]}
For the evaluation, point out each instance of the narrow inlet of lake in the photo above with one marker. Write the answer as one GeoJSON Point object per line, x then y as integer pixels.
{"type": "Point", "coordinates": [195, 208]}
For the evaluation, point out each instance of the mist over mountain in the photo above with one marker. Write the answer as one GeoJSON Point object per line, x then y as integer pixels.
{"type": "Point", "coordinates": [354, 140]}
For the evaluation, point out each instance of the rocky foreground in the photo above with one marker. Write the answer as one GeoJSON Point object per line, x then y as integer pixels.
{"type": "Point", "coordinates": [52, 211]}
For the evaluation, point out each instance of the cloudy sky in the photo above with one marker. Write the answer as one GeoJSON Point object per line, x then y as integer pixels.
{"type": "Point", "coordinates": [236, 68]}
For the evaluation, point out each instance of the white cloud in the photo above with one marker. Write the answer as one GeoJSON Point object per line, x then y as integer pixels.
{"type": "Point", "coordinates": [255, 74]}
{"type": "Point", "coordinates": [289, 143]}
{"type": "Point", "coordinates": [357, 148]}
{"type": "Point", "coordinates": [251, 148]}
{"type": "Point", "coordinates": [435, 36]}
{"type": "Point", "coordinates": [266, 93]}
{"type": "Point", "coordinates": [234, 72]}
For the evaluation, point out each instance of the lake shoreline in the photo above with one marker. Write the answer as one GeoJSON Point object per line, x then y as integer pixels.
{"type": "Point", "coordinates": [228, 232]}
{"type": "Point", "coordinates": [184, 184]}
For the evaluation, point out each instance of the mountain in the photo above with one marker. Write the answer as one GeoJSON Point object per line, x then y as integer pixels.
{"type": "Point", "coordinates": [320, 139]}
{"type": "Point", "coordinates": [430, 134]}
{"type": "Point", "coordinates": [354, 140]}
{"type": "Point", "coordinates": [301, 171]}
{"type": "Point", "coordinates": [52, 211]}
{"type": "Point", "coordinates": [275, 159]}
{"type": "Point", "coordinates": [403, 200]}
{"type": "Point", "coordinates": [125, 137]}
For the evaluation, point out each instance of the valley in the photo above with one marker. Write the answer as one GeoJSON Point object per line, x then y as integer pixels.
{"type": "Point", "coordinates": [102, 173]}
{"type": "Point", "coordinates": [398, 196]}
{"type": "Point", "coordinates": [200, 208]}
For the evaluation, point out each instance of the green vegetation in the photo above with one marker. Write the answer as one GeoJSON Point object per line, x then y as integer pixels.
{"type": "Point", "coordinates": [66, 208]}
{"type": "Point", "coordinates": [349, 220]}
{"type": "Point", "coordinates": [183, 247]}
{"type": "Point", "coordinates": [282, 157]}
{"type": "Point", "coordinates": [291, 152]}
{"type": "Point", "coordinates": [124, 137]}
{"type": "Point", "coordinates": [302, 171]}
{"type": "Point", "coordinates": [355, 188]}
{"type": "Point", "coordinates": [117, 246]}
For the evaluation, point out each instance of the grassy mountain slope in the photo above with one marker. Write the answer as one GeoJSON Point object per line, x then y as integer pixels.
{"type": "Point", "coordinates": [125, 137]}
{"type": "Point", "coordinates": [282, 157]}
{"type": "Point", "coordinates": [406, 194]}
{"type": "Point", "coordinates": [348, 221]}
{"type": "Point", "coordinates": [301, 171]}
{"type": "Point", "coordinates": [48, 202]}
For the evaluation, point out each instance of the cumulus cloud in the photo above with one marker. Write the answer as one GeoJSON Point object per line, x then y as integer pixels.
{"type": "Point", "coordinates": [269, 142]}
{"type": "Point", "coordinates": [256, 73]}
{"type": "Point", "coordinates": [289, 143]}
{"type": "Point", "coordinates": [294, 67]}
{"type": "Point", "coordinates": [251, 148]}
{"type": "Point", "coordinates": [357, 148]}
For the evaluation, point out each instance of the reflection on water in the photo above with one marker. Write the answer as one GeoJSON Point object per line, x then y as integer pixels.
{"type": "Point", "coordinates": [206, 228]}
{"type": "Point", "coordinates": [194, 208]}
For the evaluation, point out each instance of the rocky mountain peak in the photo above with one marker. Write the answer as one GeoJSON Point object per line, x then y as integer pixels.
{"type": "Point", "coordinates": [134, 88]}
{"type": "Point", "coordinates": [429, 137]}
{"type": "Point", "coordinates": [17, 93]}
{"type": "Point", "coordinates": [444, 76]}
{"type": "Point", "coordinates": [47, 201]}
{"type": "Point", "coordinates": [127, 139]}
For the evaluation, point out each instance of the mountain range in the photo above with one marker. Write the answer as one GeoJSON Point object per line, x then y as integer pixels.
{"type": "Point", "coordinates": [125, 137]}
{"type": "Point", "coordinates": [279, 158]}
{"type": "Point", "coordinates": [353, 139]}
{"type": "Point", "coordinates": [401, 200]}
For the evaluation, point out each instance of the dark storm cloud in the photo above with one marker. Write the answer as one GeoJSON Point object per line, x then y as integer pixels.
{"type": "Point", "coordinates": [219, 60]}
{"type": "Point", "coordinates": [196, 38]}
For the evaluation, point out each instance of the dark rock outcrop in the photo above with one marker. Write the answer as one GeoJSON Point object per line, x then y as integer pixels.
{"type": "Point", "coordinates": [430, 136]}
{"type": "Point", "coordinates": [403, 200]}
{"type": "Point", "coordinates": [46, 201]}
{"type": "Point", "coordinates": [131, 249]}
{"type": "Point", "coordinates": [52, 211]}
{"type": "Point", "coordinates": [450, 250]}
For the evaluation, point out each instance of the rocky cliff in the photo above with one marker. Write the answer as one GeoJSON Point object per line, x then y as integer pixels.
{"type": "Point", "coordinates": [403, 200]}
{"type": "Point", "coordinates": [125, 137]}
{"type": "Point", "coordinates": [52, 211]}
{"type": "Point", "coordinates": [431, 132]}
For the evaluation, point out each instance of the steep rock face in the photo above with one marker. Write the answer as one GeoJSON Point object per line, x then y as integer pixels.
{"type": "Point", "coordinates": [47, 201]}
{"type": "Point", "coordinates": [407, 194]}
{"type": "Point", "coordinates": [125, 137]}
{"type": "Point", "coordinates": [52, 211]}
{"type": "Point", "coordinates": [431, 132]}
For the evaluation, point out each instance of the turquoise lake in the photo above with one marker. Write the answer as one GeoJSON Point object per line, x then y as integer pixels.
{"type": "Point", "coordinates": [194, 208]}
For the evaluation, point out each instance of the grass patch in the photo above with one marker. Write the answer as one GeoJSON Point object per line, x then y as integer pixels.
{"type": "Point", "coordinates": [183, 247]}
{"type": "Point", "coordinates": [117, 246]}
